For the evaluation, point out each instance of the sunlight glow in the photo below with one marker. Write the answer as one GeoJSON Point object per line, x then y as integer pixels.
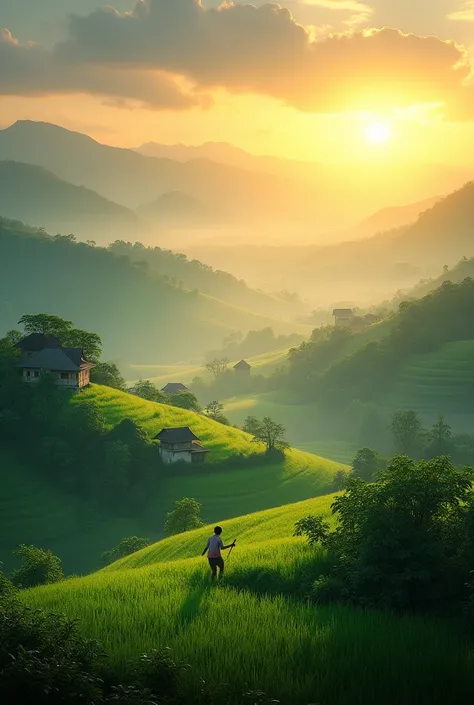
{"type": "Point", "coordinates": [378, 132]}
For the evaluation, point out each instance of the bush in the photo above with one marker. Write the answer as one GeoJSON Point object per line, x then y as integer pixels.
{"type": "Point", "coordinates": [39, 567]}
{"type": "Point", "coordinates": [130, 545]}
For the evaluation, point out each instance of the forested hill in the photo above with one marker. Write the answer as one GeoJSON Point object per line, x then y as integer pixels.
{"type": "Point", "coordinates": [196, 275]}
{"type": "Point", "coordinates": [38, 196]}
{"type": "Point", "coordinates": [143, 318]}
{"type": "Point", "coordinates": [421, 327]}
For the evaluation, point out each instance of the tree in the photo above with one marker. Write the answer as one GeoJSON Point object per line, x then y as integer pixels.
{"type": "Point", "coordinates": [267, 432]}
{"type": "Point", "coordinates": [108, 374]}
{"type": "Point", "coordinates": [407, 433]}
{"type": "Point", "coordinates": [91, 343]}
{"type": "Point", "coordinates": [367, 464]}
{"type": "Point", "coordinates": [39, 567]}
{"type": "Point", "coordinates": [217, 366]}
{"type": "Point", "coordinates": [147, 390]}
{"type": "Point", "coordinates": [215, 412]}
{"type": "Point", "coordinates": [184, 517]}
{"type": "Point", "coordinates": [130, 545]}
{"type": "Point", "coordinates": [440, 439]}
{"type": "Point", "coordinates": [14, 336]}
{"type": "Point", "coordinates": [185, 400]}
{"type": "Point", "coordinates": [45, 323]}
{"type": "Point", "coordinates": [405, 541]}
{"type": "Point", "coordinates": [340, 481]}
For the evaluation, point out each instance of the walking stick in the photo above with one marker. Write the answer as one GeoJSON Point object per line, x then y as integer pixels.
{"type": "Point", "coordinates": [228, 555]}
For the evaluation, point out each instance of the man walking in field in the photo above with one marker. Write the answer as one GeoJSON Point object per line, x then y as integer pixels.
{"type": "Point", "coordinates": [213, 548]}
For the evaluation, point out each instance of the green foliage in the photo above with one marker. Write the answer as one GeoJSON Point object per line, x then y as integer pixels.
{"type": "Point", "coordinates": [38, 567]}
{"type": "Point", "coordinates": [215, 412]}
{"type": "Point", "coordinates": [406, 540]}
{"type": "Point", "coordinates": [314, 528]}
{"type": "Point", "coordinates": [185, 516]}
{"type": "Point", "coordinates": [132, 544]}
{"type": "Point", "coordinates": [70, 337]}
{"type": "Point", "coordinates": [367, 464]}
{"type": "Point", "coordinates": [267, 432]}
{"type": "Point", "coordinates": [185, 400]}
{"type": "Point", "coordinates": [340, 481]}
{"type": "Point", "coordinates": [407, 433]}
{"type": "Point", "coordinates": [147, 390]}
{"type": "Point", "coordinates": [108, 374]}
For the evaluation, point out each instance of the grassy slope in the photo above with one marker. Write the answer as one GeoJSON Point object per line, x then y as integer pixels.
{"type": "Point", "coordinates": [33, 512]}
{"type": "Point", "coordinates": [302, 475]}
{"type": "Point", "coordinates": [246, 633]}
{"type": "Point", "coordinates": [264, 364]}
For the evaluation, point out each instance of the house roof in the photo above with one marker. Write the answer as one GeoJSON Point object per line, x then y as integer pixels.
{"type": "Point", "coordinates": [38, 341]}
{"type": "Point", "coordinates": [242, 365]}
{"type": "Point", "coordinates": [196, 447]}
{"type": "Point", "coordinates": [182, 434]}
{"type": "Point", "coordinates": [57, 359]}
{"type": "Point", "coordinates": [342, 312]}
{"type": "Point", "coordinates": [174, 387]}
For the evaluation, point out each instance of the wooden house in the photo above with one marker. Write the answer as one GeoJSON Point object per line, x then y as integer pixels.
{"type": "Point", "coordinates": [180, 444]}
{"type": "Point", "coordinates": [174, 388]}
{"type": "Point", "coordinates": [44, 354]}
{"type": "Point", "coordinates": [343, 317]}
{"type": "Point", "coordinates": [242, 368]}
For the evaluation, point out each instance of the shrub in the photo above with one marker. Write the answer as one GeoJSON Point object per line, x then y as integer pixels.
{"type": "Point", "coordinates": [39, 567]}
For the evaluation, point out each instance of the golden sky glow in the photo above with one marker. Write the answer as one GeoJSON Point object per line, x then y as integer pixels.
{"type": "Point", "coordinates": [361, 95]}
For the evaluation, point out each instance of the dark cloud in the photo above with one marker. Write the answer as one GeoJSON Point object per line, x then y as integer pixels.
{"type": "Point", "coordinates": [241, 48]}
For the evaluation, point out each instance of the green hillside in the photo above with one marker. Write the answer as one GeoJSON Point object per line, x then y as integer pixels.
{"type": "Point", "coordinates": [301, 652]}
{"type": "Point", "coordinates": [32, 511]}
{"type": "Point", "coordinates": [142, 318]}
{"type": "Point", "coordinates": [440, 382]}
{"type": "Point", "coordinates": [300, 476]}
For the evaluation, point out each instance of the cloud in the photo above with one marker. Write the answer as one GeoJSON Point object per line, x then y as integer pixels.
{"type": "Point", "coordinates": [30, 70]}
{"type": "Point", "coordinates": [146, 53]}
{"type": "Point", "coordinates": [464, 14]}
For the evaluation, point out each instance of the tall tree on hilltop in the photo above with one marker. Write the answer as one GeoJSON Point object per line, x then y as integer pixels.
{"type": "Point", "coordinates": [268, 432]}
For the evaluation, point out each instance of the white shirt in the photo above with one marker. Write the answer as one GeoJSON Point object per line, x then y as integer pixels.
{"type": "Point", "coordinates": [214, 545]}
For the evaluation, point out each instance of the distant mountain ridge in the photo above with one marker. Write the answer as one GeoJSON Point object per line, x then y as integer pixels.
{"type": "Point", "coordinates": [131, 179]}
{"type": "Point", "coordinates": [34, 194]}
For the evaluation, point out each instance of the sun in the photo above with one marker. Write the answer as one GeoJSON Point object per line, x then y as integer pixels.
{"type": "Point", "coordinates": [378, 132]}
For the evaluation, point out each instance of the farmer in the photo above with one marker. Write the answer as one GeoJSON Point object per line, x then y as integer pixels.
{"type": "Point", "coordinates": [214, 547]}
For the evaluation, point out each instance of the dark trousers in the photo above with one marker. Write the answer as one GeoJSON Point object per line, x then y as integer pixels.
{"type": "Point", "coordinates": [216, 563]}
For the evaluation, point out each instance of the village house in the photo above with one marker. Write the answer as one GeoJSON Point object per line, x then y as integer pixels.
{"type": "Point", "coordinates": [242, 368]}
{"type": "Point", "coordinates": [174, 388]}
{"type": "Point", "coordinates": [180, 444]}
{"type": "Point", "coordinates": [43, 354]}
{"type": "Point", "coordinates": [343, 317]}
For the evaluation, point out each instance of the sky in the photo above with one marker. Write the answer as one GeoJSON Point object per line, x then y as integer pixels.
{"type": "Point", "coordinates": [323, 80]}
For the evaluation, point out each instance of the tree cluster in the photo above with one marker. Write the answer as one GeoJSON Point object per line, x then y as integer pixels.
{"type": "Point", "coordinates": [405, 541]}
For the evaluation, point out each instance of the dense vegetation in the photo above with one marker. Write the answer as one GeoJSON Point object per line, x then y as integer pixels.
{"type": "Point", "coordinates": [420, 326]}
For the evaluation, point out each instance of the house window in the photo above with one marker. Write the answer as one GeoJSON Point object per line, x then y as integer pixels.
{"type": "Point", "coordinates": [28, 373]}
{"type": "Point", "coordinates": [64, 375]}
{"type": "Point", "coordinates": [37, 374]}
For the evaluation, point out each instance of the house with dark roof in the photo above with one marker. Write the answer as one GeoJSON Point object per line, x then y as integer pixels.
{"type": "Point", "coordinates": [180, 444]}
{"type": "Point", "coordinates": [68, 366]}
{"type": "Point", "coordinates": [35, 342]}
{"type": "Point", "coordinates": [174, 388]}
{"type": "Point", "coordinates": [343, 316]}
{"type": "Point", "coordinates": [242, 368]}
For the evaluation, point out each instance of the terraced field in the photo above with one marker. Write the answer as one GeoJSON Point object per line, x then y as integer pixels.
{"type": "Point", "coordinates": [256, 629]}
{"type": "Point", "coordinates": [437, 383]}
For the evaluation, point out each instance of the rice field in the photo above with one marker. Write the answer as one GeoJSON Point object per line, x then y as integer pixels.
{"type": "Point", "coordinates": [252, 631]}
{"type": "Point", "coordinates": [441, 382]}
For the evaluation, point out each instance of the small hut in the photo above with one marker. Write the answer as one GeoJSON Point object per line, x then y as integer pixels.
{"type": "Point", "coordinates": [242, 368]}
{"type": "Point", "coordinates": [180, 444]}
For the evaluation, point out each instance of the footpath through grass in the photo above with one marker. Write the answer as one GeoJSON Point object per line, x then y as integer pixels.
{"type": "Point", "coordinates": [256, 630]}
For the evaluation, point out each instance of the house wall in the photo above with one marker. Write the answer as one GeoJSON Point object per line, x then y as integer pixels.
{"type": "Point", "coordinates": [70, 382]}
{"type": "Point", "coordinates": [173, 456]}
{"type": "Point", "coordinates": [84, 378]}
